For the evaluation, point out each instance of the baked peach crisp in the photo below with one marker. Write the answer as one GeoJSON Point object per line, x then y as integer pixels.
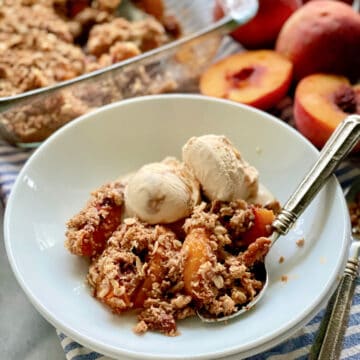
{"type": "Point", "coordinates": [172, 239]}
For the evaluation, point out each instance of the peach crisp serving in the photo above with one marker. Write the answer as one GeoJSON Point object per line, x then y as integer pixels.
{"type": "Point", "coordinates": [177, 237]}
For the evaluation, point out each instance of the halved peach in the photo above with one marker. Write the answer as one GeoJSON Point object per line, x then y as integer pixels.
{"type": "Point", "coordinates": [107, 226]}
{"type": "Point", "coordinates": [258, 78]}
{"type": "Point", "coordinates": [322, 101]}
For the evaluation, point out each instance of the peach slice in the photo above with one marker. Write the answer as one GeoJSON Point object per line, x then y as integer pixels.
{"type": "Point", "coordinates": [322, 101]}
{"type": "Point", "coordinates": [167, 248]}
{"type": "Point", "coordinates": [263, 219]}
{"type": "Point", "coordinates": [197, 249]}
{"type": "Point", "coordinates": [258, 78]}
{"type": "Point", "coordinates": [155, 274]}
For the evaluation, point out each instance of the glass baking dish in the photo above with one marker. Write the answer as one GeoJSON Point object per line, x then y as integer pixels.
{"type": "Point", "coordinates": [28, 118]}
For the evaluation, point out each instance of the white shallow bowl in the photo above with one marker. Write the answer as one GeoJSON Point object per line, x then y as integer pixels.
{"type": "Point", "coordinates": [117, 139]}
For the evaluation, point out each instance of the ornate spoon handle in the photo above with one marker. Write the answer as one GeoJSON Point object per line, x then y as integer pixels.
{"type": "Point", "coordinates": [328, 342]}
{"type": "Point", "coordinates": [337, 147]}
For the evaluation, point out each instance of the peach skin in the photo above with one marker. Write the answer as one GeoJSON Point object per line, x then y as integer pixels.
{"type": "Point", "coordinates": [322, 37]}
{"type": "Point", "coordinates": [263, 29]}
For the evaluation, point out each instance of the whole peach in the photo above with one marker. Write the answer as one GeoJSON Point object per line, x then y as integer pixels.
{"type": "Point", "coordinates": [322, 101]}
{"type": "Point", "coordinates": [263, 29]}
{"type": "Point", "coordinates": [322, 36]}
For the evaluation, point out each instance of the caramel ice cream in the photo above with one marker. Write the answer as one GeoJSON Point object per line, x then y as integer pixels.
{"type": "Point", "coordinates": [220, 169]}
{"type": "Point", "coordinates": [162, 192]}
{"type": "Point", "coordinates": [263, 197]}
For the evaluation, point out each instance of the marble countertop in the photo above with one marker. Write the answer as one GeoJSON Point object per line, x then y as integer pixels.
{"type": "Point", "coordinates": [24, 333]}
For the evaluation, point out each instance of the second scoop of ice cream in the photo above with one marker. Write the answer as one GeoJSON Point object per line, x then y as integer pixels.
{"type": "Point", "coordinates": [162, 192]}
{"type": "Point", "coordinates": [222, 172]}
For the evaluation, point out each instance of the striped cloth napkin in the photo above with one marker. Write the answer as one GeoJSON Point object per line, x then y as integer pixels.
{"type": "Point", "coordinates": [297, 347]}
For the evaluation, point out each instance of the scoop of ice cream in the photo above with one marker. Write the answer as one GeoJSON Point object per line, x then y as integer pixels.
{"type": "Point", "coordinates": [162, 192]}
{"type": "Point", "coordinates": [263, 196]}
{"type": "Point", "coordinates": [220, 169]}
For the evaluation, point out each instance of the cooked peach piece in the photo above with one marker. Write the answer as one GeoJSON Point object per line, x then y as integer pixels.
{"type": "Point", "coordinates": [197, 251]}
{"type": "Point", "coordinates": [88, 231]}
{"type": "Point", "coordinates": [154, 275]}
{"type": "Point", "coordinates": [263, 219]}
{"type": "Point", "coordinates": [257, 78]}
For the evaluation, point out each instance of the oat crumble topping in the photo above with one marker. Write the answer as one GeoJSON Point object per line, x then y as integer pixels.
{"type": "Point", "coordinates": [143, 267]}
{"type": "Point", "coordinates": [88, 231]}
{"type": "Point", "coordinates": [201, 256]}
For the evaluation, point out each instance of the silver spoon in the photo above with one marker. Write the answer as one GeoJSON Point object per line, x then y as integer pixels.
{"type": "Point", "coordinates": [344, 138]}
{"type": "Point", "coordinates": [329, 339]}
